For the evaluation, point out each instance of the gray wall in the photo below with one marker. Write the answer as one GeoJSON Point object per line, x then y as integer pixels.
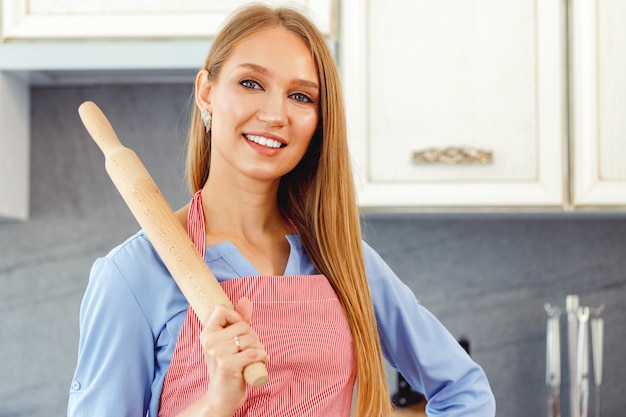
{"type": "Point", "coordinates": [486, 277]}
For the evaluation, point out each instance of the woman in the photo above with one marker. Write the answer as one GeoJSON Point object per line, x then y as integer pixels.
{"type": "Point", "coordinates": [275, 217]}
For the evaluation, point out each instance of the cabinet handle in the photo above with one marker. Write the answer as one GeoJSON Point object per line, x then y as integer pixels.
{"type": "Point", "coordinates": [453, 156]}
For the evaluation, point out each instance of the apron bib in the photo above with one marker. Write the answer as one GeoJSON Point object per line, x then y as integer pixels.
{"type": "Point", "coordinates": [301, 323]}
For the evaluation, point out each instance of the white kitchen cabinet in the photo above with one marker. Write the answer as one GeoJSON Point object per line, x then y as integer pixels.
{"type": "Point", "coordinates": [434, 77]}
{"type": "Point", "coordinates": [63, 42]}
{"type": "Point", "coordinates": [598, 103]}
{"type": "Point", "coordinates": [94, 19]}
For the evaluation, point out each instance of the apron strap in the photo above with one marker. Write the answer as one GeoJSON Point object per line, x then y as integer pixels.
{"type": "Point", "coordinates": [195, 222]}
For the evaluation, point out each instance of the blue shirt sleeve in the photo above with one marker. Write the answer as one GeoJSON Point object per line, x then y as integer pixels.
{"type": "Point", "coordinates": [114, 334]}
{"type": "Point", "coordinates": [130, 318]}
{"type": "Point", "coordinates": [416, 344]}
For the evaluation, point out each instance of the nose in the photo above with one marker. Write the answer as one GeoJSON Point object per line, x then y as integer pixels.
{"type": "Point", "coordinates": [273, 110]}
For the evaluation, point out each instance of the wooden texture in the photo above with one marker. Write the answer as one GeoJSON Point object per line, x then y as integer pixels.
{"type": "Point", "coordinates": [156, 217]}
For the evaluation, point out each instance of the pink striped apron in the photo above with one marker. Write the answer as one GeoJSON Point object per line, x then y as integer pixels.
{"type": "Point", "coordinates": [301, 323]}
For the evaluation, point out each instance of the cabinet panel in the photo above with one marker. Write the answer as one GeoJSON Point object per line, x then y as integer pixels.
{"type": "Point", "coordinates": [598, 126]}
{"type": "Point", "coordinates": [447, 73]}
{"type": "Point", "coordinates": [483, 75]}
{"type": "Point", "coordinates": [65, 7]}
{"type": "Point", "coordinates": [63, 19]}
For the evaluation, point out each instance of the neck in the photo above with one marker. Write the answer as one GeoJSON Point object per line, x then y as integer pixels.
{"type": "Point", "coordinates": [242, 208]}
{"type": "Point", "coordinates": [247, 215]}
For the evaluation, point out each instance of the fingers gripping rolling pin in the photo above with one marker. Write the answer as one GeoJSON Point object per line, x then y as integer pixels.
{"type": "Point", "coordinates": [156, 217]}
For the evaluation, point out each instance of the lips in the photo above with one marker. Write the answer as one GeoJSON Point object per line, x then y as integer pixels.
{"type": "Point", "coordinates": [263, 141]}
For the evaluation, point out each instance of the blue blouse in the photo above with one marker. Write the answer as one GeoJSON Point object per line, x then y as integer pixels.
{"type": "Point", "coordinates": [132, 312]}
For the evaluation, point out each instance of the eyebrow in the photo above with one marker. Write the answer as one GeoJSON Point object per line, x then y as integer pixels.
{"type": "Point", "coordinates": [265, 71]}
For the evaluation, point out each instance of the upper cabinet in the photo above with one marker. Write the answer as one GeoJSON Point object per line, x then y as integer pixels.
{"type": "Point", "coordinates": [598, 102]}
{"type": "Point", "coordinates": [456, 103]}
{"type": "Point", "coordinates": [62, 42]}
{"type": "Point", "coordinates": [451, 104]}
{"type": "Point", "coordinates": [71, 19]}
{"type": "Point", "coordinates": [112, 41]}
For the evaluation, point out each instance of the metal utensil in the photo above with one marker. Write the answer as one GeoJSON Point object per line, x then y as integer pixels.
{"type": "Point", "coordinates": [571, 307]}
{"type": "Point", "coordinates": [597, 342]}
{"type": "Point", "coordinates": [553, 360]}
{"type": "Point", "coordinates": [582, 375]}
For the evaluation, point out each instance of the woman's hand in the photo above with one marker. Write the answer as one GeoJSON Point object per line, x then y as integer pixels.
{"type": "Point", "coordinates": [229, 345]}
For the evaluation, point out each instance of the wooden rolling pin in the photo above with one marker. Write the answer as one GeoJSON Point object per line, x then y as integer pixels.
{"type": "Point", "coordinates": [156, 217]}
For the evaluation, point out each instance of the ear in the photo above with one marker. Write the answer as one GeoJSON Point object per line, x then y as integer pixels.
{"type": "Point", "coordinates": [203, 90]}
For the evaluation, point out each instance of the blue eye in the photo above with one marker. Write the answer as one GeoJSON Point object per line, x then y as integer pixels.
{"type": "Point", "coordinates": [303, 98]}
{"type": "Point", "coordinates": [250, 84]}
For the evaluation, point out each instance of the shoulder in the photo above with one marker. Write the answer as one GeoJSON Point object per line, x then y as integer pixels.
{"type": "Point", "coordinates": [376, 267]}
{"type": "Point", "coordinates": [135, 260]}
{"type": "Point", "coordinates": [387, 289]}
{"type": "Point", "coordinates": [134, 268]}
{"type": "Point", "coordinates": [134, 246]}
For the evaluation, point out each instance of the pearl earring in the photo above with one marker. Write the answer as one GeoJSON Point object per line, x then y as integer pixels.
{"type": "Point", "coordinates": [206, 119]}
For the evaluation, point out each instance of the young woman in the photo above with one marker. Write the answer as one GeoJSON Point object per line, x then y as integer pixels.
{"type": "Point", "coordinates": [274, 215]}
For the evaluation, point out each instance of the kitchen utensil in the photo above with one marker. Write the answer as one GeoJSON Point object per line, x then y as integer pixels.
{"type": "Point", "coordinates": [156, 217]}
{"type": "Point", "coordinates": [582, 375]}
{"type": "Point", "coordinates": [571, 307]}
{"type": "Point", "coordinates": [597, 342]}
{"type": "Point", "coordinates": [553, 360]}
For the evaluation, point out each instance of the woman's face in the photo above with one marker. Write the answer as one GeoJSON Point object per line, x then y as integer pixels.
{"type": "Point", "coordinates": [264, 105]}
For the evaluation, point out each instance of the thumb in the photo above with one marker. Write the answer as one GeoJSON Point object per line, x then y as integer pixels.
{"type": "Point", "coordinates": [244, 308]}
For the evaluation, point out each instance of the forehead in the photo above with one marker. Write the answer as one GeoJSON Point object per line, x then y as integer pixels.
{"type": "Point", "coordinates": [278, 49]}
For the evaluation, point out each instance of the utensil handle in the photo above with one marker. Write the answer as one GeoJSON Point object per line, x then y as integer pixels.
{"type": "Point", "coordinates": [597, 342]}
{"type": "Point", "coordinates": [156, 217]}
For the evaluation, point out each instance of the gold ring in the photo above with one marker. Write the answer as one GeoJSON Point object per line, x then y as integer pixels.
{"type": "Point", "coordinates": [237, 344]}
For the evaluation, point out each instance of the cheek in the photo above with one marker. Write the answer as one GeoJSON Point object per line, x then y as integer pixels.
{"type": "Point", "coordinates": [228, 109]}
{"type": "Point", "coordinates": [307, 127]}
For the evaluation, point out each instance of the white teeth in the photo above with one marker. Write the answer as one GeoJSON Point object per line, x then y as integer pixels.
{"type": "Point", "coordinates": [263, 141]}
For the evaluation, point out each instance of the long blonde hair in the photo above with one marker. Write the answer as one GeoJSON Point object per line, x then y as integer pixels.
{"type": "Point", "coordinates": [318, 196]}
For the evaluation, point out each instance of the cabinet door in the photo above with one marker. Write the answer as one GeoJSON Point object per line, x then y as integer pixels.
{"type": "Point", "coordinates": [598, 111]}
{"type": "Point", "coordinates": [455, 103]}
{"type": "Point", "coordinates": [62, 19]}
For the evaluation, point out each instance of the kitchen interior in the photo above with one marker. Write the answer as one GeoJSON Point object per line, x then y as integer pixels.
{"type": "Point", "coordinates": [487, 137]}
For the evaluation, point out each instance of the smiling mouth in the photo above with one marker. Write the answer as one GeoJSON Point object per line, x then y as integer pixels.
{"type": "Point", "coordinates": [263, 141]}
